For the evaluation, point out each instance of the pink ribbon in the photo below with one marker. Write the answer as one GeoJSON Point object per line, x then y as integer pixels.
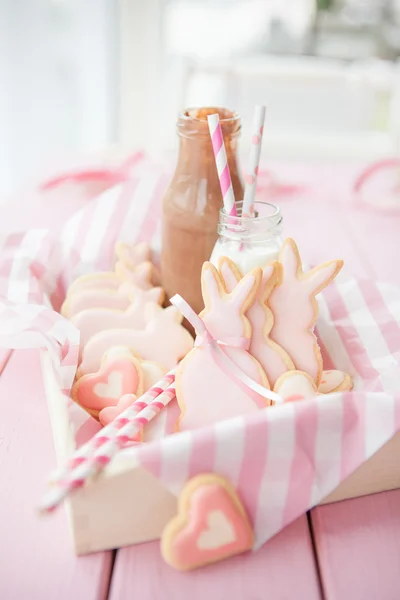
{"type": "Point", "coordinates": [204, 337]}
{"type": "Point", "coordinates": [110, 176]}
{"type": "Point", "coordinates": [368, 174]}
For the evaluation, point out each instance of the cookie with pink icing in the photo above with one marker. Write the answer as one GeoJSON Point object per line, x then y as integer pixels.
{"type": "Point", "coordinates": [118, 299]}
{"type": "Point", "coordinates": [132, 255]}
{"type": "Point", "coordinates": [211, 525]}
{"type": "Point", "coordinates": [274, 360]}
{"type": "Point", "coordinates": [93, 320]}
{"type": "Point", "coordinates": [109, 280]}
{"type": "Point", "coordinates": [145, 271]}
{"type": "Point", "coordinates": [295, 308]}
{"type": "Point", "coordinates": [295, 385]}
{"type": "Point", "coordinates": [164, 340]}
{"type": "Point", "coordinates": [335, 381]}
{"type": "Point", "coordinates": [120, 373]}
{"type": "Point", "coordinates": [152, 373]}
{"type": "Point", "coordinates": [207, 392]}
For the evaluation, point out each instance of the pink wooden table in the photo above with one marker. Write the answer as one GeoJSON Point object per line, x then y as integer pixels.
{"type": "Point", "coordinates": [345, 550]}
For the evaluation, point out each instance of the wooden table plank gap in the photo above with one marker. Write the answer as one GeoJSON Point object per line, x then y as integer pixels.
{"type": "Point", "coordinates": [316, 559]}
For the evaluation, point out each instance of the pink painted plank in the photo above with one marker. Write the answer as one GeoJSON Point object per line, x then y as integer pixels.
{"type": "Point", "coordinates": [358, 546]}
{"type": "Point", "coordinates": [38, 560]}
{"type": "Point", "coordinates": [283, 568]}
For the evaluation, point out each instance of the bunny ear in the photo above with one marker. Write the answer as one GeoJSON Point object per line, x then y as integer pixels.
{"type": "Point", "coordinates": [155, 294]}
{"type": "Point", "coordinates": [171, 313]}
{"type": "Point", "coordinates": [131, 256]}
{"type": "Point", "coordinates": [229, 273]}
{"type": "Point", "coordinates": [122, 271]}
{"type": "Point", "coordinates": [319, 277]}
{"type": "Point", "coordinates": [271, 276]}
{"type": "Point", "coordinates": [268, 272]}
{"type": "Point", "coordinates": [290, 259]}
{"type": "Point", "coordinates": [211, 285]}
{"type": "Point", "coordinates": [244, 293]}
{"type": "Point", "coordinates": [143, 271]}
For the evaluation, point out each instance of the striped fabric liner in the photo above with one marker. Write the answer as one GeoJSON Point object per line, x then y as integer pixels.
{"type": "Point", "coordinates": [283, 460]}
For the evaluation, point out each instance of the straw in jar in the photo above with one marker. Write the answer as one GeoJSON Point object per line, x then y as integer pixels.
{"type": "Point", "coordinates": [254, 161]}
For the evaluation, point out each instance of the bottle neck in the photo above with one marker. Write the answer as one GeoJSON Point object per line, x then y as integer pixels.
{"type": "Point", "coordinates": [195, 149]}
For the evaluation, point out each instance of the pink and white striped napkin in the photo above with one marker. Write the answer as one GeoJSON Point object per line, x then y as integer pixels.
{"type": "Point", "coordinates": [283, 460]}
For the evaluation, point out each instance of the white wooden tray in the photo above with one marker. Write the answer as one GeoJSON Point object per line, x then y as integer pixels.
{"type": "Point", "coordinates": [126, 505]}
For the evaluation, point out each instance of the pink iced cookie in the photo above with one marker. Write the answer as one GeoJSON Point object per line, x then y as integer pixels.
{"type": "Point", "coordinates": [206, 391]}
{"type": "Point", "coordinates": [119, 374]}
{"type": "Point", "coordinates": [140, 277]}
{"type": "Point", "coordinates": [295, 385]}
{"type": "Point", "coordinates": [152, 373]}
{"type": "Point", "coordinates": [132, 255]}
{"type": "Point", "coordinates": [335, 381]}
{"type": "Point", "coordinates": [118, 299]}
{"type": "Point", "coordinates": [295, 309]}
{"type": "Point", "coordinates": [108, 414]}
{"type": "Point", "coordinates": [93, 320]}
{"type": "Point", "coordinates": [164, 340]}
{"type": "Point", "coordinates": [273, 359]}
{"type": "Point", "coordinates": [211, 525]}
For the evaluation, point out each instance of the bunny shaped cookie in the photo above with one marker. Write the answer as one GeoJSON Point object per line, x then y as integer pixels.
{"type": "Point", "coordinates": [140, 276]}
{"type": "Point", "coordinates": [92, 320]}
{"type": "Point", "coordinates": [206, 391]}
{"type": "Point", "coordinates": [273, 359]}
{"type": "Point", "coordinates": [295, 309]}
{"type": "Point", "coordinates": [164, 340]}
{"type": "Point", "coordinates": [132, 255]}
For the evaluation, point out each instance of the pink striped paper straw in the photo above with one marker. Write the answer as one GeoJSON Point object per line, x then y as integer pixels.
{"type": "Point", "coordinates": [254, 160]}
{"type": "Point", "coordinates": [107, 448]}
{"type": "Point", "coordinates": [93, 456]}
{"type": "Point", "coordinates": [222, 164]}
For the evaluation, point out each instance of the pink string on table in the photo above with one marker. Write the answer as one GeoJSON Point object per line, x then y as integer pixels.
{"type": "Point", "coordinates": [367, 174]}
{"type": "Point", "coordinates": [112, 176]}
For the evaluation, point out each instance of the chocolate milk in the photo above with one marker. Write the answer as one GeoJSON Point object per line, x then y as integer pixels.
{"type": "Point", "coordinates": [193, 200]}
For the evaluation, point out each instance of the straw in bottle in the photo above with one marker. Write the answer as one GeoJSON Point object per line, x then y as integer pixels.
{"type": "Point", "coordinates": [222, 164]}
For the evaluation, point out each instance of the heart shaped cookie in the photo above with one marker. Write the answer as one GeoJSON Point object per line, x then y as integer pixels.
{"type": "Point", "coordinates": [109, 413]}
{"type": "Point", "coordinates": [120, 373]}
{"type": "Point", "coordinates": [211, 525]}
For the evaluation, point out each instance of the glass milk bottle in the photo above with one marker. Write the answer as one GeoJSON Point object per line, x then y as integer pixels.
{"type": "Point", "coordinates": [249, 241]}
{"type": "Point", "coordinates": [193, 200]}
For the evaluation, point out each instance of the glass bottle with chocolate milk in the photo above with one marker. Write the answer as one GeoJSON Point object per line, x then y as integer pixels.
{"type": "Point", "coordinates": [193, 200]}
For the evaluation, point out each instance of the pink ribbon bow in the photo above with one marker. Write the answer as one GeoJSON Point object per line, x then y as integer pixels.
{"type": "Point", "coordinates": [204, 337]}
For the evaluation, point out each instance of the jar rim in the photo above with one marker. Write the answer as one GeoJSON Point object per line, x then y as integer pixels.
{"type": "Point", "coordinates": [275, 214]}
{"type": "Point", "coordinates": [189, 125]}
{"type": "Point", "coordinates": [251, 228]}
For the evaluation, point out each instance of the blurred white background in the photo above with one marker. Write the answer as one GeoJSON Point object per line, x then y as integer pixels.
{"type": "Point", "coordinates": [79, 76]}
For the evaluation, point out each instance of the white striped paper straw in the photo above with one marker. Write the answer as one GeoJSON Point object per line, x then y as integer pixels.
{"type": "Point", "coordinates": [222, 164]}
{"type": "Point", "coordinates": [254, 160]}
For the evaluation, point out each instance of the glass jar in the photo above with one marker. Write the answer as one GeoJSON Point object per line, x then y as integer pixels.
{"type": "Point", "coordinates": [193, 200]}
{"type": "Point", "coordinates": [249, 241]}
